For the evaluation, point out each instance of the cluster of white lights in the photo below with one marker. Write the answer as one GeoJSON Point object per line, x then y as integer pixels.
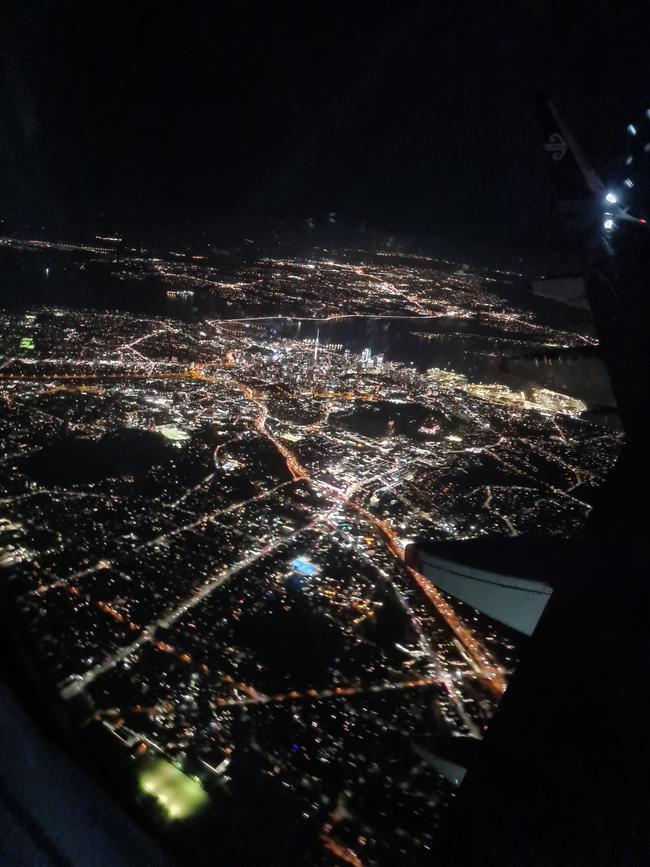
{"type": "Point", "coordinates": [610, 197]}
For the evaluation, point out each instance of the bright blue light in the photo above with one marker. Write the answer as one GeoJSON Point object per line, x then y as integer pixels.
{"type": "Point", "coordinates": [611, 198]}
{"type": "Point", "coordinates": [631, 129]}
{"type": "Point", "coordinates": [608, 224]}
{"type": "Point", "coordinates": [295, 747]}
{"type": "Point", "coordinates": [304, 567]}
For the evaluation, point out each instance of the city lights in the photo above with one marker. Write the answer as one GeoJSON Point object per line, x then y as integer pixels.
{"type": "Point", "coordinates": [203, 520]}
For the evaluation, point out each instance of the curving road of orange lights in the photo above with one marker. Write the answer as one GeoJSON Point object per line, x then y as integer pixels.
{"type": "Point", "coordinates": [491, 673]}
{"type": "Point", "coordinates": [342, 852]}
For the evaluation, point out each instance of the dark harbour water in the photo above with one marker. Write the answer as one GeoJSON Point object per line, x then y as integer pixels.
{"type": "Point", "coordinates": [25, 286]}
{"type": "Point", "coordinates": [397, 341]}
{"type": "Point", "coordinates": [464, 346]}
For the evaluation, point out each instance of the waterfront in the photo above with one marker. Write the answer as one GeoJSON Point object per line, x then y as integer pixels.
{"type": "Point", "coordinates": [204, 520]}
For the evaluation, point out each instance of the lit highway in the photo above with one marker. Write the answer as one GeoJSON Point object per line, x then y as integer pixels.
{"type": "Point", "coordinates": [204, 518]}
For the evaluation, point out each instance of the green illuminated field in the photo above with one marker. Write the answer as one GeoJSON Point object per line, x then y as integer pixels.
{"type": "Point", "coordinates": [179, 795]}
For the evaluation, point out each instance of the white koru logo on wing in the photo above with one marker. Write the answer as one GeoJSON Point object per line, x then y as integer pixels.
{"type": "Point", "coordinates": [556, 146]}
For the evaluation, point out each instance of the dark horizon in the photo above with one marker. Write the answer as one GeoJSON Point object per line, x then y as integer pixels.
{"type": "Point", "coordinates": [421, 120]}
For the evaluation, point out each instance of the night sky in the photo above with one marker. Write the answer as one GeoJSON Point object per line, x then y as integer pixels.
{"type": "Point", "coordinates": [409, 116]}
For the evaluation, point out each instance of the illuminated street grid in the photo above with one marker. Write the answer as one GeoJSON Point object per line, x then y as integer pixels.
{"type": "Point", "coordinates": [205, 526]}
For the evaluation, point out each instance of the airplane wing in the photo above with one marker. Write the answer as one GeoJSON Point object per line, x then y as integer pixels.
{"type": "Point", "coordinates": [574, 179]}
